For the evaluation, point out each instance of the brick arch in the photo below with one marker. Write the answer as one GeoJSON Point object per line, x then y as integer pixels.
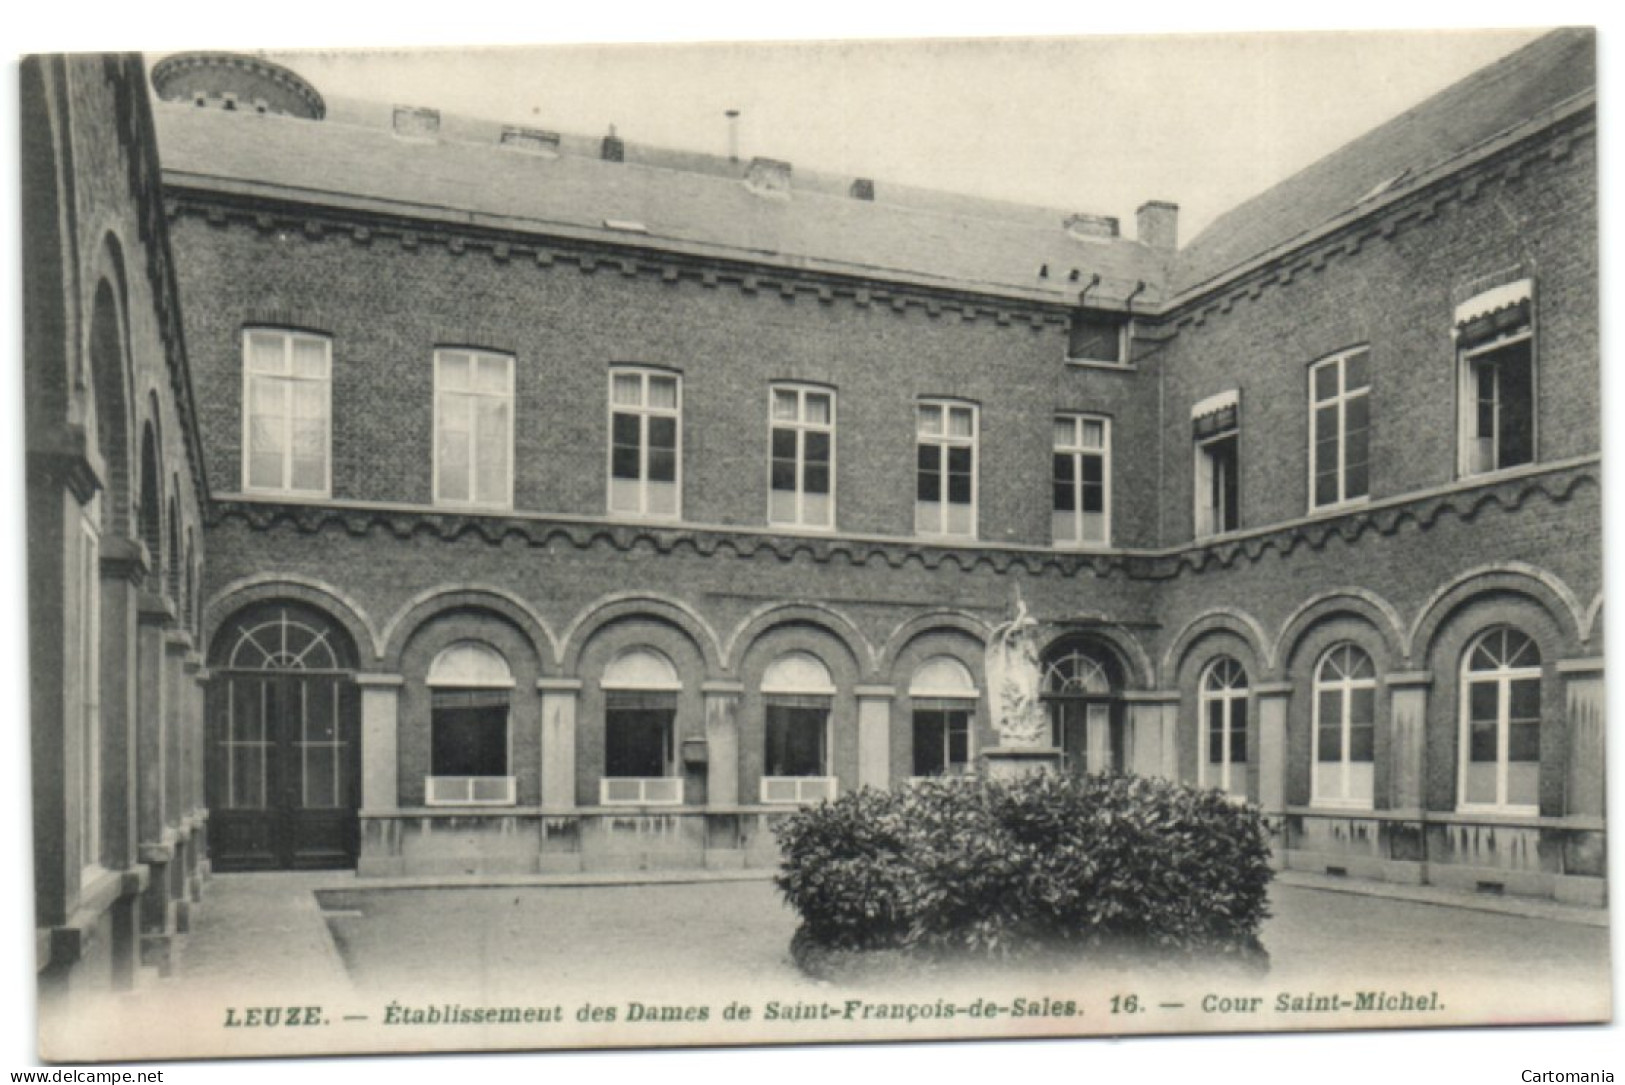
{"type": "Point", "coordinates": [425, 606]}
{"type": "Point", "coordinates": [1230, 619]}
{"type": "Point", "coordinates": [1590, 621]}
{"type": "Point", "coordinates": [315, 593]}
{"type": "Point", "coordinates": [610, 609]}
{"type": "Point", "coordinates": [1516, 577]}
{"type": "Point", "coordinates": [111, 382]}
{"type": "Point", "coordinates": [1360, 603]}
{"type": "Point", "coordinates": [931, 622]}
{"type": "Point", "coordinates": [51, 287]}
{"type": "Point", "coordinates": [832, 621]}
{"type": "Point", "coordinates": [1131, 657]}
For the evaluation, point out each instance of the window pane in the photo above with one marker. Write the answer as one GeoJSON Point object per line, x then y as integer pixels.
{"type": "Point", "coordinates": [818, 408]}
{"type": "Point", "coordinates": [1523, 784]}
{"type": "Point", "coordinates": [1094, 469]}
{"type": "Point", "coordinates": [784, 406]}
{"type": "Point", "coordinates": [662, 498]}
{"type": "Point", "coordinates": [1094, 497]}
{"type": "Point", "coordinates": [319, 788]}
{"type": "Point", "coordinates": [928, 517]}
{"type": "Point", "coordinates": [1517, 421]}
{"type": "Point", "coordinates": [784, 475]}
{"type": "Point", "coordinates": [491, 374]}
{"type": "Point", "coordinates": [1483, 702]}
{"type": "Point", "coordinates": [1481, 783]}
{"type": "Point", "coordinates": [930, 419]}
{"type": "Point", "coordinates": [1325, 489]}
{"type": "Point", "coordinates": [662, 432]}
{"type": "Point", "coordinates": [930, 744]}
{"type": "Point", "coordinates": [1331, 744]}
{"type": "Point", "coordinates": [1064, 525]}
{"type": "Point", "coordinates": [959, 422]}
{"type": "Point", "coordinates": [1362, 705]}
{"type": "Point", "coordinates": [1363, 743]}
{"type": "Point", "coordinates": [784, 444]}
{"type": "Point", "coordinates": [662, 465]}
{"type": "Point", "coordinates": [1094, 433]}
{"type": "Point", "coordinates": [469, 741]}
{"type": "Point", "coordinates": [626, 431]}
{"type": "Point", "coordinates": [815, 479]}
{"type": "Point", "coordinates": [628, 389]}
{"type": "Point", "coordinates": [624, 494]}
{"type": "Point", "coordinates": [624, 462]}
{"type": "Point", "coordinates": [816, 509]}
{"type": "Point", "coordinates": [959, 488]}
{"type": "Point", "coordinates": [1066, 432]}
{"type": "Point", "coordinates": [1325, 379]}
{"type": "Point", "coordinates": [1523, 742]}
{"type": "Point", "coordinates": [929, 476]}
{"type": "Point", "coordinates": [636, 741]}
{"type": "Point", "coordinates": [493, 444]}
{"type": "Point", "coordinates": [1481, 743]}
{"type": "Point", "coordinates": [454, 371]}
{"type": "Point", "coordinates": [663, 392]}
{"type": "Point", "coordinates": [794, 740]}
{"type": "Point", "coordinates": [310, 358]}
{"type": "Point", "coordinates": [815, 446]}
{"type": "Point", "coordinates": [1215, 732]}
{"type": "Point", "coordinates": [1093, 523]}
{"type": "Point", "coordinates": [1357, 371]}
{"type": "Point", "coordinates": [781, 503]}
{"type": "Point", "coordinates": [266, 353]}
{"type": "Point", "coordinates": [1525, 699]}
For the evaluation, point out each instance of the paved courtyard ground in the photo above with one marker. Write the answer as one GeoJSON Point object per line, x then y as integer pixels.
{"type": "Point", "coordinates": [663, 938]}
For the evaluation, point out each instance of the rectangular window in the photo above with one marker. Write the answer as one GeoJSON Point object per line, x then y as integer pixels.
{"type": "Point", "coordinates": [1498, 397]}
{"type": "Point", "coordinates": [1081, 483]}
{"type": "Point", "coordinates": [1101, 340]}
{"type": "Point", "coordinates": [287, 408]}
{"type": "Point", "coordinates": [469, 733]}
{"type": "Point", "coordinates": [801, 461]}
{"type": "Point", "coordinates": [473, 428]}
{"type": "Point", "coordinates": [945, 494]}
{"type": "Point", "coordinates": [645, 451]}
{"type": "Point", "coordinates": [941, 738]}
{"type": "Point", "coordinates": [1340, 429]}
{"type": "Point", "coordinates": [1218, 494]}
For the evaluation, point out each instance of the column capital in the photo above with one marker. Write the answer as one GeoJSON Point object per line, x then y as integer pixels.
{"type": "Point", "coordinates": [65, 453]}
{"type": "Point", "coordinates": [886, 692]}
{"type": "Point", "coordinates": [559, 685]}
{"type": "Point", "coordinates": [722, 686]}
{"type": "Point", "coordinates": [367, 678]}
{"type": "Point", "coordinates": [1273, 689]}
{"type": "Point", "coordinates": [125, 559]}
{"type": "Point", "coordinates": [1151, 696]}
{"type": "Point", "coordinates": [1593, 665]}
{"type": "Point", "coordinates": [1408, 678]}
{"type": "Point", "coordinates": [178, 640]}
{"type": "Point", "coordinates": [154, 609]}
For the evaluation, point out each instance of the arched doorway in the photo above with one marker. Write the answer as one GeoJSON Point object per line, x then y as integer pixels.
{"type": "Point", "coordinates": [1082, 689]}
{"type": "Point", "coordinates": [284, 742]}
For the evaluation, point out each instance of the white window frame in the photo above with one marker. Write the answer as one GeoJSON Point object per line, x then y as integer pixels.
{"type": "Point", "coordinates": [1345, 687]}
{"type": "Point", "coordinates": [465, 790]}
{"type": "Point", "coordinates": [1467, 401]}
{"type": "Point", "coordinates": [1077, 451]}
{"type": "Point", "coordinates": [1125, 340]}
{"type": "Point", "coordinates": [800, 789]}
{"type": "Point", "coordinates": [286, 379]}
{"type": "Point", "coordinates": [88, 682]}
{"type": "Point", "coordinates": [801, 427]}
{"type": "Point", "coordinates": [1502, 677]}
{"type": "Point", "coordinates": [1226, 697]}
{"type": "Point", "coordinates": [944, 441]}
{"type": "Point", "coordinates": [1342, 399]}
{"type": "Point", "coordinates": [666, 790]}
{"type": "Point", "coordinates": [644, 412]}
{"type": "Point", "coordinates": [475, 356]}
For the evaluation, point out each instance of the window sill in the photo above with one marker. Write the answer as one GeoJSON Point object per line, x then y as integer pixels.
{"type": "Point", "coordinates": [1340, 507]}
{"type": "Point", "coordinates": [303, 495]}
{"type": "Point", "coordinates": [1090, 363]}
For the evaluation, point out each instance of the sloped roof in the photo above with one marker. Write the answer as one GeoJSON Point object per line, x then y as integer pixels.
{"type": "Point", "coordinates": [694, 202]}
{"type": "Point", "coordinates": [1548, 72]}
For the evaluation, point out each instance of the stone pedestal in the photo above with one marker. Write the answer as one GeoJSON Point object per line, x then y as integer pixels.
{"type": "Point", "coordinates": [1016, 762]}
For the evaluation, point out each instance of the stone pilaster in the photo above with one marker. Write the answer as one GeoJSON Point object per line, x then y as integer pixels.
{"type": "Point", "coordinates": [380, 723]}
{"type": "Point", "coordinates": [1586, 710]}
{"type": "Point", "coordinates": [1407, 738]}
{"type": "Point", "coordinates": [560, 697]}
{"type": "Point", "coordinates": [874, 735]}
{"type": "Point", "coordinates": [722, 742]}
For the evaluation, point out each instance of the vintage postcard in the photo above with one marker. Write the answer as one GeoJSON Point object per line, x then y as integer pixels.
{"type": "Point", "coordinates": [734, 544]}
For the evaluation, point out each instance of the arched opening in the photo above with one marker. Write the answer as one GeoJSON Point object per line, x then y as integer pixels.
{"type": "Point", "coordinates": [470, 747]}
{"type": "Point", "coordinates": [1500, 723]}
{"type": "Point", "coordinates": [640, 729]}
{"type": "Point", "coordinates": [1222, 763]}
{"type": "Point", "coordinates": [943, 694]}
{"type": "Point", "coordinates": [797, 695]}
{"type": "Point", "coordinates": [1082, 686]}
{"type": "Point", "coordinates": [284, 742]}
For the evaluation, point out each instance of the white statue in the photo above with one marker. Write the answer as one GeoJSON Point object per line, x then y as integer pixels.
{"type": "Point", "coordinates": [1013, 680]}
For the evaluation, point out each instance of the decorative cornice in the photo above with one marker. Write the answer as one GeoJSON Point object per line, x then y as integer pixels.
{"type": "Point", "coordinates": [1508, 159]}
{"type": "Point", "coordinates": [337, 220]}
{"type": "Point", "coordinates": [407, 522]}
{"type": "Point", "coordinates": [1464, 501]}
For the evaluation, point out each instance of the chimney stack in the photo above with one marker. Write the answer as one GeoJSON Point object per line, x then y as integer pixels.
{"type": "Point", "coordinates": [863, 188]}
{"type": "Point", "coordinates": [733, 135]}
{"type": "Point", "coordinates": [412, 122]}
{"type": "Point", "coordinates": [1157, 225]}
{"type": "Point", "coordinates": [612, 150]}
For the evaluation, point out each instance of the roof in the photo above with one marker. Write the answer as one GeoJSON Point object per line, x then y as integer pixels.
{"type": "Point", "coordinates": [689, 202]}
{"type": "Point", "coordinates": [1542, 76]}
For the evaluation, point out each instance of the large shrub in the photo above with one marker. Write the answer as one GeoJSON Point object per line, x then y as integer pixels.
{"type": "Point", "coordinates": [1113, 867]}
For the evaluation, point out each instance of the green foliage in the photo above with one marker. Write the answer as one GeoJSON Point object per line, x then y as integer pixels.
{"type": "Point", "coordinates": [1106, 866]}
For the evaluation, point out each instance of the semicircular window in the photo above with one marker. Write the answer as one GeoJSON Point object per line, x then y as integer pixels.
{"type": "Point", "coordinates": [284, 639]}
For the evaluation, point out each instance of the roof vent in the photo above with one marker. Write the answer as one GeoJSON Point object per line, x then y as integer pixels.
{"type": "Point", "coordinates": [412, 122]}
{"type": "Point", "coordinates": [613, 150]}
{"type": "Point", "coordinates": [530, 140]}
{"type": "Point", "coordinates": [1091, 227]}
{"type": "Point", "coordinates": [768, 177]}
{"type": "Point", "coordinates": [863, 188]}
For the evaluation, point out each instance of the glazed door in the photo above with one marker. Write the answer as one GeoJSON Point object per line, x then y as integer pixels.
{"type": "Point", "coordinates": [284, 771]}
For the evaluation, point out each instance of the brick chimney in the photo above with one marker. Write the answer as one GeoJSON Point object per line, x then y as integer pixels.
{"type": "Point", "coordinates": [863, 188]}
{"type": "Point", "coordinates": [1157, 225]}
{"type": "Point", "coordinates": [612, 149]}
{"type": "Point", "coordinates": [412, 122]}
{"type": "Point", "coordinates": [768, 177]}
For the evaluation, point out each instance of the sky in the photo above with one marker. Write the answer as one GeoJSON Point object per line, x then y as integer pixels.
{"type": "Point", "coordinates": [1092, 124]}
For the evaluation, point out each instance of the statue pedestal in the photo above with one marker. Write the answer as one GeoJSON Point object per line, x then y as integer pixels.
{"type": "Point", "coordinates": [1016, 762]}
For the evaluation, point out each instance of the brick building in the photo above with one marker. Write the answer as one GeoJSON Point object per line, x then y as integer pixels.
{"type": "Point", "coordinates": [580, 505]}
{"type": "Point", "coordinates": [115, 491]}
{"type": "Point", "coordinates": [575, 504]}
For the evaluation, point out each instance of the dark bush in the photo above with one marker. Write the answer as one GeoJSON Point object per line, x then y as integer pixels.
{"type": "Point", "coordinates": [1115, 868]}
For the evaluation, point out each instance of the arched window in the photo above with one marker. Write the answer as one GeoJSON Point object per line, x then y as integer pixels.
{"type": "Point", "coordinates": [1076, 686]}
{"type": "Point", "coordinates": [1500, 723]}
{"type": "Point", "coordinates": [470, 687]}
{"type": "Point", "coordinates": [1345, 727]}
{"type": "Point", "coordinates": [797, 693]}
{"type": "Point", "coordinates": [943, 695]}
{"type": "Point", "coordinates": [1223, 760]}
{"type": "Point", "coordinates": [282, 641]}
{"type": "Point", "coordinates": [640, 730]}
